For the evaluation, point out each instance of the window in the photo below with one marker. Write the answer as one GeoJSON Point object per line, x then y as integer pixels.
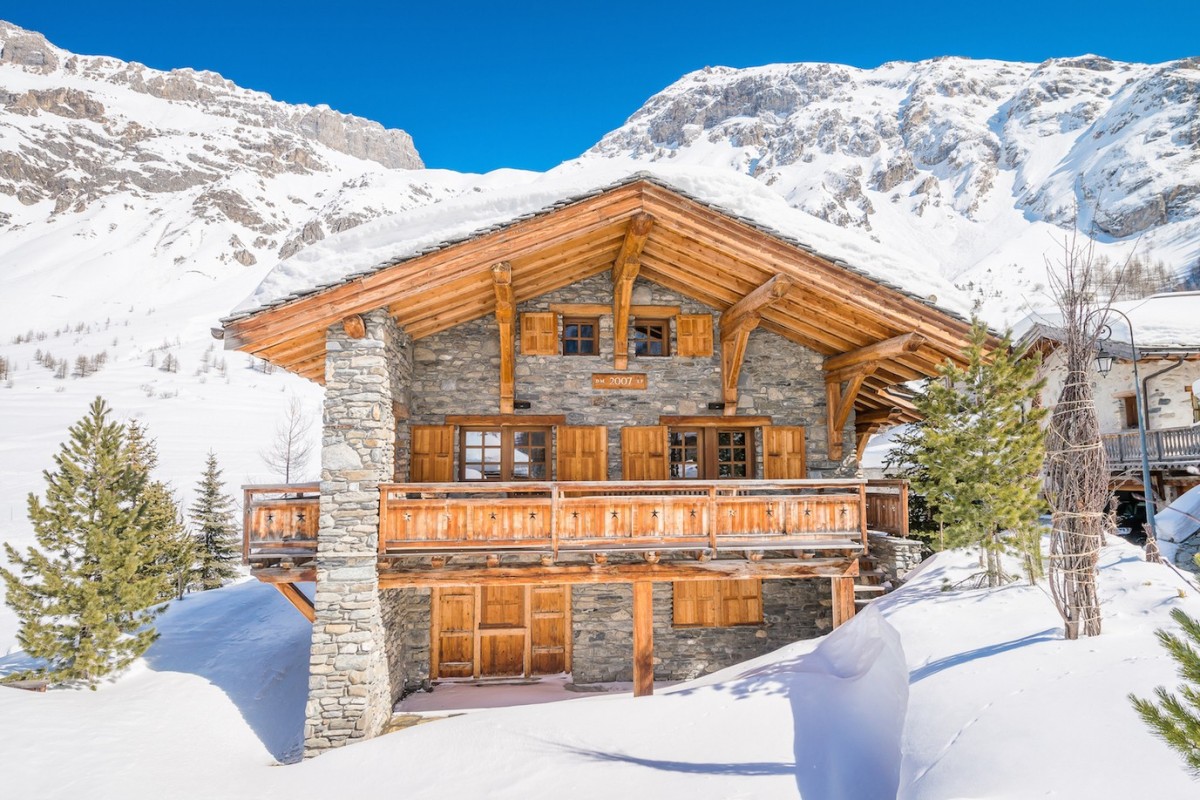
{"type": "Point", "coordinates": [581, 337]}
{"type": "Point", "coordinates": [711, 453]}
{"type": "Point", "coordinates": [651, 337]}
{"type": "Point", "coordinates": [504, 454]}
{"type": "Point", "coordinates": [1130, 410]}
{"type": "Point", "coordinates": [717, 603]}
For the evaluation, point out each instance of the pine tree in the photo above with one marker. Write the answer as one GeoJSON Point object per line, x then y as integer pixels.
{"type": "Point", "coordinates": [216, 529]}
{"type": "Point", "coordinates": [1177, 721]}
{"type": "Point", "coordinates": [976, 455]}
{"type": "Point", "coordinates": [85, 597]}
{"type": "Point", "coordinates": [177, 562]}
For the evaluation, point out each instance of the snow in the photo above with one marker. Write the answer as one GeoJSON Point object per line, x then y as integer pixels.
{"type": "Point", "coordinates": [1160, 322]}
{"type": "Point", "coordinates": [927, 695]}
{"type": "Point", "coordinates": [386, 241]}
{"type": "Point", "coordinates": [1180, 519]}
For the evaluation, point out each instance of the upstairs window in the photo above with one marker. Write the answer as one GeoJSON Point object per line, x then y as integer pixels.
{"type": "Point", "coordinates": [1130, 410]}
{"type": "Point", "coordinates": [651, 337]}
{"type": "Point", "coordinates": [505, 454]}
{"type": "Point", "coordinates": [581, 336]}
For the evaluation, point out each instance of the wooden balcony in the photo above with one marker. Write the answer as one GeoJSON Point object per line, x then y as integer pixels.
{"type": "Point", "coordinates": [554, 518]}
{"type": "Point", "coordinates": [280, 523]}
{"type": "Point", "coordinates": [610, 516]}
{"type": "Point", "coordinates": [1166, 447]}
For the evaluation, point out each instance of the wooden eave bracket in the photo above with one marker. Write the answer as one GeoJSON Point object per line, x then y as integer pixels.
{"type": "Point", "coordinates": [844, 377]}
{"type": "Point", "coordinates": [624, 272]}
{"type": "Point", "coordinates": [506, 312]}
{"type": "Point", "coordinates": [869, 422]}
{"type": "Point", "coordinates": [736, 324]}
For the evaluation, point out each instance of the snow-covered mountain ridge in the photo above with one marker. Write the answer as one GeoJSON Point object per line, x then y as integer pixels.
{"type": "Point", "coordinates": [973, 166]}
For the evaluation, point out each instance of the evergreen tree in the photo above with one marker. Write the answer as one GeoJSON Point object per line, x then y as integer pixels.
{"type": "Point", "coordinates": [976, 454]}
{"type": "Point", "coordinates": [216, 529]}
{"type": "Point", "coordinates": [176, 564]}
{"type": "Point", "coordinates": [85, 596]}
{"type": "Point", "coordinates": [1177, 721]}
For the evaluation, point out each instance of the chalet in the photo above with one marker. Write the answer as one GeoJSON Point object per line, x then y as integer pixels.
{"type": "Point", "coordinates": [609, 429]}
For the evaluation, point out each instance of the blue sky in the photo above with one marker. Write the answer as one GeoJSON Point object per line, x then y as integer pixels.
{"type": "Point", "coordinates": [482, 85]}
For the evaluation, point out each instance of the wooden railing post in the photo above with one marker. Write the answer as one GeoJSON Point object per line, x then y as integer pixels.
{"type": "Point", "coordinates": [842, 590]}
{"type": "Point", "coordinates": [246, 526]}
{"type": "Point", "coordinates": [643, 638]}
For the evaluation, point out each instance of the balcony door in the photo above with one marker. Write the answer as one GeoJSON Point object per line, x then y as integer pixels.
{"type": "Point", "coordinates": [710, 453]}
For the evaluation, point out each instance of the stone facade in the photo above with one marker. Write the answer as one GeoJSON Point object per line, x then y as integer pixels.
{"type": "Point", "coordinates": [349, 688]}
{"type": "Point", "coordinates": [406, 621]}
{"type": "Point", "coordinates": [457, 372]}
{"type": "Point", "coordinates": [895, 556]}
{"type": "Point", "coordinates": [602, 623]}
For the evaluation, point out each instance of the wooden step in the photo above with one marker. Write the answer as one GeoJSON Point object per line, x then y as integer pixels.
{"type": "Point", "coordinates": [866, 588]}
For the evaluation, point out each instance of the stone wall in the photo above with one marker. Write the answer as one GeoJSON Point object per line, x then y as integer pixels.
{"type": "Point", "coordinates": [406, 621]}
{"type": "Point", "coordinates": [457, 372]}
{"type": "Point", "coordinates": [350, 693]}
{"type": "Point", "coordinates": [895, 556]}
{"type": "Point", "coordinates": [602, 623]}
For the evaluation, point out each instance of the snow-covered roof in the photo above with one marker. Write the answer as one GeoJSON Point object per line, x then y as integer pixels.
{"type": "Point", "coordinates": [381, 243]}
{"type": "Point", "coordinates": [1167, 322]}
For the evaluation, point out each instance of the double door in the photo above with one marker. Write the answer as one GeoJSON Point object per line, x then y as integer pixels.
{"type": "Point", "coordinates": [501, 631]}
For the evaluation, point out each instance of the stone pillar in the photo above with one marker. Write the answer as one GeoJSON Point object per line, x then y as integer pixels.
{"type": "Point", "coordinates": [349, 688]}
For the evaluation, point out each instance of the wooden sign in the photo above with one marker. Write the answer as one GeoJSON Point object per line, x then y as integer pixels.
{"type": "Point", "coordinates": [618, 380]}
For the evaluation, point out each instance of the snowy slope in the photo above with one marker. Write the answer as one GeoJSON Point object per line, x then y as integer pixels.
{"type": "Point", "coordinates": [971, 167]}
{"type": "Point", "coordinates": [941, 694]}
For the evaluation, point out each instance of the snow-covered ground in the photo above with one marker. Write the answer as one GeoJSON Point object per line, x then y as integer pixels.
{"type": "Point", "coordinates": [929, 695]}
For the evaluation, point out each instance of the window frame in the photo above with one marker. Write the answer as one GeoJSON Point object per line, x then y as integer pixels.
{"type": "Point", "coordinates": [651, 322]}
{"type": "Point", "coordinates": [507, 451]}
{"type": "Point", "coordinates": [1129, 410]}
{"type": "Point", "coordinates": [577, 321]}
{"type": "Point", "coordinates": [709, 463]}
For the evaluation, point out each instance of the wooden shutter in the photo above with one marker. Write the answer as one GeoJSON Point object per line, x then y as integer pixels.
{"type": "Point", "coordinates": [695, 604]}
{"type": "Point", "coordinates": [431, 454]}
{"type": "Point", "coordinates": [741, 602]}
{"type": "Point", "coordinates": [783, 452]}
{"type": "Point", "coordinates": [644, 453]}
{"type": "Point", "coordinates": [582, 453]}
{"type": "Point", "coordinates": [539, 333]}
{"type": "Point", "coordinates": [694, 334]}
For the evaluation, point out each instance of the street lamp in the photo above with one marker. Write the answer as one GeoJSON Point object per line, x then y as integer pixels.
{"type": "Point", "coordinates": [1104, 363]}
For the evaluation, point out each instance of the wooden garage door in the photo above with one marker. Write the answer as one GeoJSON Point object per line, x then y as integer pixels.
{"type": "Point", "coordinates": [501, 631]}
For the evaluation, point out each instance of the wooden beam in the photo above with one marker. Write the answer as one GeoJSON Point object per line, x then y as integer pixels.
{"type": "Point", "coordinates": [841, 389]}
{"type": "Point", "coordinates": [842, 593]}
{"type": "Point", "coordinates": [505, 314]}
{"type": "Point", "coordinates": [506, 419]}
{"type": "Point", "coordinates": [879, 351]}
{"type": "Point", "coordinates": [643, 638]}
{"type": "Point", "coordinates": [624, 273]}
{"type": "Point", "coordinates": [299, 599]}
{"type": "Point", "coordinates": [879, 416]}
{"type": "Point", "coordinates": [778, 568]}
{"type": "Point", "coordinates": [714, 421]}
{"type": "Point", "coordinates": [736, 324]}
{"type": "Point", "coordinates": [354, 326]}
{"type": "Point", "coordinates": [600, 310]}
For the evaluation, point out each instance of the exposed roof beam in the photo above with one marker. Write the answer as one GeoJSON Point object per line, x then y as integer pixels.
{"type": "Point", "coordinates": [506, 307]}
{"type": "Point", "coordinates": [879, 351]}
{"type": "Point", "coordinates": [624, 272]}
{"type": "Point", "coordinates": [736, 324]}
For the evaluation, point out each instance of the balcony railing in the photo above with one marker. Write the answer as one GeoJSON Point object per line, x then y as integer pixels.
{"type": "Point", "coordinates": [1165, 447]}
{"type": "Point", "coordinates": [281, 521]}
{"type": "Point", "coordinates": [622, 515]}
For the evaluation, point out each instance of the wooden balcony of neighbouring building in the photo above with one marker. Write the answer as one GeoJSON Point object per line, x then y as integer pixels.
{"type": "Point", "coordinates": [1165, 447]}
{"type": "Point", "coordinates": [710, 519]}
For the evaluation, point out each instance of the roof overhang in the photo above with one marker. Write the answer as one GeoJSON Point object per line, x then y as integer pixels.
{"type": "Point", "coordinates": [692, 248]}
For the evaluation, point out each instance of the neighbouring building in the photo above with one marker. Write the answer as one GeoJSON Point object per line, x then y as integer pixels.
{"type": "Point", "coordinates": [607, 429]}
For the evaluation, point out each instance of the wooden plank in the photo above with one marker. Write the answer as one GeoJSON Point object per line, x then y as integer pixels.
{"type": "Point", "coordinates": [842, 593]}
{"type": "Point", "coordinates": [767, 569]}
{"type": "Point", "coordinates": [582, 452]}
{"type": "Point", "coordinates": [505, 314]}
{"type": "Point", "coordinates": [888, 348]}
{"type": "Point", "coordinates": [711, 420]}
{"type": "Point", "coordinates": [747, 311]}
{"type": "Point", "coordinates": [599, 310]}
{"type": "Point", "coordinates": [491, 420]}
{"type": "Point", "coordinates": [784, 453]}
{"type": "Point", "coordinates": [298, 599]}
{"type": "Point", "coordinates": [644, 454]}
{"type": "Point", "coordinates": [643, 638]}
{"type": "Point", "coordinates": [624, 273]}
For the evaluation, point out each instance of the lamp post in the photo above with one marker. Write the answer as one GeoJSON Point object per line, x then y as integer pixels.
{"type": "Point", "coordinates": [1104, 363]}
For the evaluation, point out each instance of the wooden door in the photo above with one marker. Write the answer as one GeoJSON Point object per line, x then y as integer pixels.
{"type": "Point", "coordinates": [454, 632]}
{"type": "Point", "coordinates": [550, 630]}
{"type": "Point", "coordinates": [501, 631]}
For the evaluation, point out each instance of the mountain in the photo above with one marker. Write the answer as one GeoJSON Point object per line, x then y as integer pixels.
{"type": "Point", "coordinates": [975, 167]}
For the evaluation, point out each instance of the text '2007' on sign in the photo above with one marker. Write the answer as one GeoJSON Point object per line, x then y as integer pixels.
{"type": "Point", "coordinates": [618, 380]}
